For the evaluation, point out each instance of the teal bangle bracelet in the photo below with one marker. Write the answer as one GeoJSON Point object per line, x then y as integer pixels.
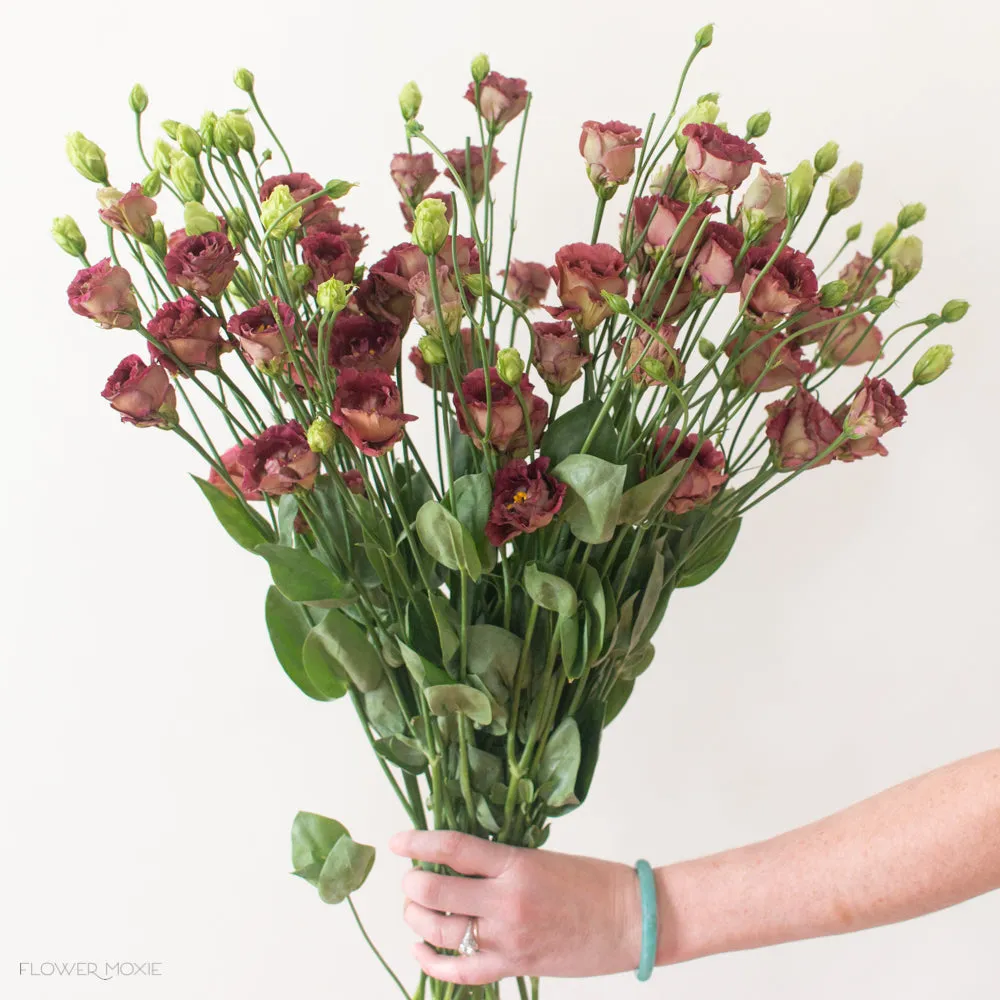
{"type": "Point", "coordinates": [647, 891]}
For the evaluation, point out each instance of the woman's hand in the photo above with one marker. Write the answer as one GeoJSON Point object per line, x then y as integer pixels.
{"type": "Point", "coordinates": [538, 913]}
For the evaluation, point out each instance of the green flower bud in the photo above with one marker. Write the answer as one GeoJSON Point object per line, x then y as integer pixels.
{"type": "Point", "coordinates": [826, 157]}
{"type": "Point", "coordinates": [703, 38]}
{"type": "Point", "coordinates": [242, 129]}
{"type": "Point", "coordinates": [138, 99]}
{"type": "Point", "coordinates": [799, 185]}
{"type": "Point", "coordinates": [883, 240]}
{"type": "Point", "coordinates": [331, 296]}
{"type": "Point", "coordinates": [198, 219]}
{"type": "Point", "coordinates": [410, 100]}
{"type": "Point", "coordinates": [87, 158]}
{"type": "Point", "coordinates": [480, 67]}
{"type": "Point", "coordinates": [170, 127]}
{"type": "Point", "coordinates": [833, 293]}
{"type": "Point", "coordinates": [337, 189]}
{"type": "Point", "coordinates": [757, 222]}
{"type": "Point", "coordinates": [934, 362]}
{"type": "Point", "coordinates": [730, 379]}
{"type": "Point", "coordinates": [67, 234]}
{"type": "Point", "coordinates": [275, 208]}
{"type": "Point", "coordinates": [237, 224]}
{"type": "Point", "coordinates": [880, 304]}
{"type": "Point", "coordinates": [159, 240]}
{"type": "Point", "coordinates": [163, 156]}
{"type": "Point", "coordinates": [359, 274]}
{"type": "Point", "coordinates": [432, 350]}
{"type": "Point", "coordinates": [300, 275]}
{"type": "Point", "coordinates": [712, 96]}
{"type": "Point", "coordinates": [207, 127]}
{"type": "Point", "coordinates": [703, 111]}
{"type": "Point", "coordinates": [758, 124]}
{"type": "Point", "coordinates": [430, 225]}
{"type": "Point", "coordinates": [706, 348]}
{"type": "Point", "coordinates": [655, 369]}
{"type": "Point", "coordinates": [954, 310]}
{"type": "Point", "coordinates": [853, 232]}
{"type": "Point", "coordinates": [905, 257]}
{"type": "Point", "coordinates": [243, 79]}
{"type": "Point", "coordinates": [189, 140]}
{"type": "Point", "coordinates": [321, 435]}
{"type": "Point", "coordinates": [477, 284]}
{"type": "Point", "coordinates": [152, 184]}
{"type": "Point", "coordinates": [910, 215]}
{"type": "Point", "coordinates": [510, 365]}
{"type": "Point", "coordinates": [616, 303]}
{"type": "Point", "coordinates": [844, 188]}
{"type": "Point", "coordinates": [413, 128]}
{"type": "Point", "coordinates": [224, 137]}
{"type": "Point", "coordinates": [185, 177]}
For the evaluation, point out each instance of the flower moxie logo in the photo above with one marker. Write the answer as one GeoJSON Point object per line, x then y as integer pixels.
{"type": "Point", "coordinates": [99, 970]}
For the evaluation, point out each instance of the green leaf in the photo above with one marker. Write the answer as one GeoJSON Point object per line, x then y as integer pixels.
{"type": "Point", "coordinates": [568, 630]}
{"type": "Point", "coordinates": [404, 752]}
{"type": "Point", "coordinates": [650, 598]}
{"type": "Point", "coordinates": [345, 869]}
{"type": "Point", "coordinates": [383, 711]}
{"type": "Point", "coordinates": [304, 579]}
{"type": "Point", "coordinates": [471, 498]}
{"type": "Point", "coordinates": [549, 591]}
{"type": "Point", "coordinates": [560, 764]}
{"type": "Point", "coordinates": [347, 651]}
{"type": "Point", "coordinates": [637, 662]}
{"type": "Point", "coordinates": [498, 703]}
{"type": "Point", "coordinates": [288, 510]}
{"type": "Point", "coordinates": [463, 452]}
{"type": "Point", "coordinates": [313, 837]}
{"type": "Point", "coordinates": [620, 692]}
{"type": "Point", "coordinates": [590, 719]}
{"type": "Point", "coordinates": [424, 672]}
{"type": "Point", "coordinates": [447, 540]}
{"type": "Point", "coordinates": [246, 529]}
{"type": "Point", "coordinates": [324, 674]}
{"type": "Point", "coordinates": [494, 650]}
{"type": "Point", "coordinates": [485, 769]}
{"type": "Point", "coordinates": [708, 558]}
{"type": "Point", "coordinates": [593, 499]}
{"type": "Point", "coordinates": [593, 594]}
{"type": "Point", "coordinates": [484, 815]}
{"type": "Point", "coordinates": [566, 434]}
{"type": "Point", "coordinates": [649, 496]}
{"type": "Point", "coordinates": [460, 699]}
{"type": "Point", "coordinates": [288, 626]}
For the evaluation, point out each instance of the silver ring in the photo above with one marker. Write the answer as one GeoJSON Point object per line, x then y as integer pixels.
{"type": "Point", "coordinates": [469, 944]}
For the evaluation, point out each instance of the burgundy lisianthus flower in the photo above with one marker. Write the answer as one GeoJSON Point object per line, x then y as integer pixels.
{"type": "Point", "coordinates": [354, 236]}
{"type": "Point", "coordinates": [329, 257]}
{"type": "Point", "coordinates": [659, 217]}
{"type": "Point", "coordinates": [656, 352]}
{"type": "Point", "coordinates": [384, 293]}
{"type": "Point", "coordinates": [319, 211]}
{"type": "Point", "coordinates": [232, 464]}
{"type": "Point", "coordinates": [501, 99]}
{"type": "Point", "coordinates": [717, 161]}
{"type": "Point", "coordinates": [609, 151]}
{"type": "Point", "coordinates": [470, 359]}
{"type": "Point", "coordinates": [854, 341]}
{"type": "Point", "coordinates": [581, 272]}
{"type": "Point", "coordinates": [473, 172]}
{"type": "Point", "coordinates": [368, 409]}
{"type": "Point", "coordinates": [188, 334]}
{"type": "Point", "coordinates": [507, 430]}
{"type": "Point", "coordinates": [104, 294]}
{"type": "Point", "coordinates": [527, 283]}
{"type": "Point", "coordinates": [788, 286]}
{"type": "Point", "coordinates": [202, 265]}
{"type": "Point", "coordinates": [558, 358]}
{"type": "Point", "coordinates": [130, 213]}
{"type": "Point", "coordinates": [525, 498]}
{"type": "Point", "coordinates": [278, 460]}
{"type": "Point", "coordinates": [259, 331]}
{"type": "Point", "coordinates": [814, 325]}
{"type": "Point", "coordinates": [715, 263]}
{"type": "Point", "coordinates": [449, 208]}
{"type": "Point", "coordinates": [875, 410]}
{"type": "Point", "coordinates": [677, 301]}
{"type": "Point", "coordinates": [704, 477]}
{"type": "Point", "coordinates": [354, 481]}
{"type": "Point", "coordinates": [862, 278]}
{"type": "Point", "coordinates": [425, 310]}
{"type": "Point", "coordinates": [364, 344]}
{"type": "Point", "coordinates": [413, 173]}
{"type": "Point", "coordinates": [800, 429]}
{"type": "Point", "coordinates": [767, 361]}
{"type": "Point", "coordinates": [141, 393]}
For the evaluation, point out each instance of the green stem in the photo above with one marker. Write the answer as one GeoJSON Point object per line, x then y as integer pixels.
{"type": "Point", "coordinates": [378, 954]}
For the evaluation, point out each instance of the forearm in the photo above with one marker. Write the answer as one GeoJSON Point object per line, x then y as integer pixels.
{"type": "Point", "coordinates": [919, 847]}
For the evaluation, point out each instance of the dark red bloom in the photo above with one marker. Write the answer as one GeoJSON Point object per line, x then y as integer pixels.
{"type": "Point", "coordinates": [141, 393]}
{"type": "Point", "coordinates": [800, 429]}
{"type": "Point", "coordinates": [231, 463]}
{"type": "Point", "coordinates": [203, 265]}
{"type": "Point", "coordinates": [581, 272]}
{"type": "Point", "coordinates": [278, 460]}
{"type": "Point", "coordinates": [413, 174]}
{"type": "Point", "coordinates": [259, 332]}
{"type": "Point", "coordinates": [558, 358]}
{"type": "Point", "coordinates": [507, 431]}
{"type": "Point", "coordinates": [704, 477]}
{"type": "Point", "coordinates": [368, 409]}
{"type": "Point", "coordinates": [362, 343]}
{"type": "Point", "coordinates": [104, 294]}
{"type": "Point", "coordinates": [525, 498]}
{"type": "Point", "coordinates": [318, 211]}
{"type": "Point", "coordinates": [659, 217]}
{"type": "Point", "coordinates": [788, 286]}
{"type": "Point", "coordinates": [472, 171]}
{"type": "Point", "coordinates": [717, 161]}
{"type": "Point", "coordinates": [189, 334]}
{"type": "Point", "coordinates": [501, 98]}
{"type": "Point", "coordinates": [715, 262]}
{"type": "Point", "coordinates": [329, 257]}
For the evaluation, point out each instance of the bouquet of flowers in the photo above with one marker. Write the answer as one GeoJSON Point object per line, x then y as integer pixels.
{"type": "Point", "coordinates": [488, 607]}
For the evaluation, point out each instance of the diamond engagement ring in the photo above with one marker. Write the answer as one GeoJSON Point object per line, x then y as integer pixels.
{"type": "Point", "coordinates": [469, 944]}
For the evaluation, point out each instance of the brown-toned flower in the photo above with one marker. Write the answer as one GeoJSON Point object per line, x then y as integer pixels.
{"type": "Point", "coordinates": [104, 294]}
{"type": "Point", "coordinates": [813, 325]}
{"type": "Point", "coordinates": [582, 271]}
{"type": "Point", "coordinates": [413, 173]}
{"type": "Point", "coordinates": [319, 211]}
{"type": "Point", "coordinates": [788, 286]}
{"type": "Point", "coordinates": [354, 236]}
{"type": "Point", "coordinates": [368, 409]}
{"type": "Point", "coordinates": [656, 219]}
{"type": "Point", "coordinates": [501, 99]}
{"type": "Point", "coordinates": [715, 263]}
{"type": "Point", "coordinates": [259, 331]}
{"type": "Point", "coordinates": [130, 213]}
{"type": "Point", "coordinates": [234, 467]}
{"type": "Point", "coordinates": [609, 151]}
{"type": "Point", "coordinates": [875, 410]}
{"type": "Point", "coordinates": [527, 283]}
{"type": "Point", "coordinates": [449, 299]}
{"type": "Point", "coordinates": [364, 344]}
{"type": "Point", "coordinates": [188, 334]}
{"type": "Point", "coordinates": [203, 265]}
{"type": "Point", "coordinates": [673, 297]}
{"type": "Point", "coordinates": [853, 341]}
{"type": "Point", "coordinates": [141, 393]}
{"type": "Point", "coordinates": [354, 481]}
{"type": "Point", "coordinates": [525, 498]}
{"type": "Point", "coordinates": [800, 429]}
{"type": "Point", "coordinates": [329, 257]}
{"type": "Point", "coordinates": [471, 169]}
{"type": "Point", "coordinates": [278, 460]}
{"type": "Point", "coordinates": [862, 277]}
{"type": "Point", "coordinates": [705, 475]}
{"type": "Point", "coordinates": [558, 358]}
{"type": "Point", "coordinates": [507, 430]}
{"type": "Point", "coordinates": [656, 352]}
{"type": "Point", "coordinates": [768, 361]}
{"type": "Point", "coordinates": [717, 161]}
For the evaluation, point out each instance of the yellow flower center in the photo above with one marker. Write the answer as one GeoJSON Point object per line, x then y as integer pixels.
{"type": "Point", "coordinates": [519, 497]}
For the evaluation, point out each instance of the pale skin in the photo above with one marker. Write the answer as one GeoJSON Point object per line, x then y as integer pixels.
{"type": "Point", "coordinates": [921, 846]}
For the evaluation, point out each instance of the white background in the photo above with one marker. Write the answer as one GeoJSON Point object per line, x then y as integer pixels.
{"type": "Point", "coordinates": [153, 752]}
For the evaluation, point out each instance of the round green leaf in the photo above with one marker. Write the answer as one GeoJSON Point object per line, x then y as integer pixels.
{"type": "Point", "coordinates": [549, 591]}
{"type": "Point", "coordinates": [566, 434]}
{"type": "Point", "coordinates": [301, 577]}
{"type": "Point", "coordinates": [245, 528]}
{"type": "Point", "coordinates": [345, 869]}
{"type": "Point", "coordinates": [313, 836]}
{"type": "Point", "coordinates": [560, 763]}
{"type": "Point", "coordinates": [708, 558]}
{"type": "Point", "coordinates": [405, 753]}
{"type": "Point", "coordinates": [594, 497]}
{"type": "Point", "coordinates": [447, 540]}
{"type": "Point", "coordinates": [649, 496]}
{"type": "Point", "coordinates": [345, 648]}
{"type": "Point", "coordinates": [288, 626]}
{"type": "Point", "coordinates": [460, 699]}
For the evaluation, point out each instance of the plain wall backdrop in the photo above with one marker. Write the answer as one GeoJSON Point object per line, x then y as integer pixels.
{"type": "Point", "coordinates": [154, 753]}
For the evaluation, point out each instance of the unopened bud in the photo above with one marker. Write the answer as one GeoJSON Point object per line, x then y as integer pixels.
{"type": "Point", "coordinates": [337, 188]}
{"type": "Point", "coordinates": [510, 365]}
{"type": "Point", "coordinates": [243, 79]}
{"type": "Point", "coordinates": [207, 127]}
{"type": "Point", "coordinates": [910, 215]}
{"type": "Point", "coordinates": [237, 223]}
{"type": "Point", "coordinates": [224, 137]}
{"type": "Point", "coordinates": [884, 239]}
{"type": "Point", "coordinates": [933, 364]}
{"type": "Point", "coordinates": [189, 140]}
{"type": "Point", "coordinates": [833, 293]}
{"type": "Point", "coordinates": [410, 99]}
{"type": "Point", "coordinates": [954, 310]}
{"type": "Point", "coordinates": [430, 225]}
{"type": "Point", "coordinates": [185, 177]}
{"type": "Point", "coordinates": [281, 212]}
{"type": "Point", "coordinates": [799, 185]}
{"type": "Point", "coordinates": [480, 67]}
{"type": "Point", "coordinates": [138, 99]}
{"type": "Point", "coordinates": [432, 350]}
{"type": "Point", "coordinates": [756, 223]}
{"type": "Point", "coordinates": [853, 232]}
{"type": "Point", "coordinates": [87, 158]}
{"type": "Point", "coordinates": [321, 436]}
{"type": "Point", "coordinates": [655, 369]}
{"type": "Point", "coordinates": [703, 37]}
{"type": "Point", "coordinates": [199, 220]}
{"type": "Point", "coordinates": [169, 125]}
{"type": "Point", "coordinates": [905, 257]}
{"type": "Point", "coordinates": [331, 296]}
{"type": "Point", "coordinates": [826, 157]}
{"type": "Point", "coordinates": [300, 275]}
{"type": "Point", "coordinates": [712, 95]}
{"type": "Point", "coordinates": [844, 188]}
{"type": "Point", "coordinates": [477, 284]}
{"type": "Point", "coordinates": [67, 234]}
{"type": "Point", "coordinates": [163, 156]}
{"type": "Point", "coordinates": [152, 184]}
{"type": "Point", "coordinates": [703, 111]}
{"type": "Point", "coordinates": [159, 240]}
{"type": "Point", "coordinates": [880, 304]}
{"type": "Point", "coordinates": [242, 129]}
{"type": "Point", "coordinates": [758, 124]}
{"type": "Point", "coordinates": [616, 303]}
{"type": "Point", "coordinates": [359, 274]}
{"type": "Point", "coordinates": [706, 348]}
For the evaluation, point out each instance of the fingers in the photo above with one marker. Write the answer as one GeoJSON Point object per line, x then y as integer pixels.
{"type": "Point", "coordinates": [459, 851]}
{"type": "Point", "coordinates": [439, 929]}
{"type": "Point", "coordinates": [470, 897]}
{"type": "Point", "coordinates": [467, 970]}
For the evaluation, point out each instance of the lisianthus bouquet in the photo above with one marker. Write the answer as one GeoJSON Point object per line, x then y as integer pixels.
{"type": "Point", "coordinates": [598, 432]}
